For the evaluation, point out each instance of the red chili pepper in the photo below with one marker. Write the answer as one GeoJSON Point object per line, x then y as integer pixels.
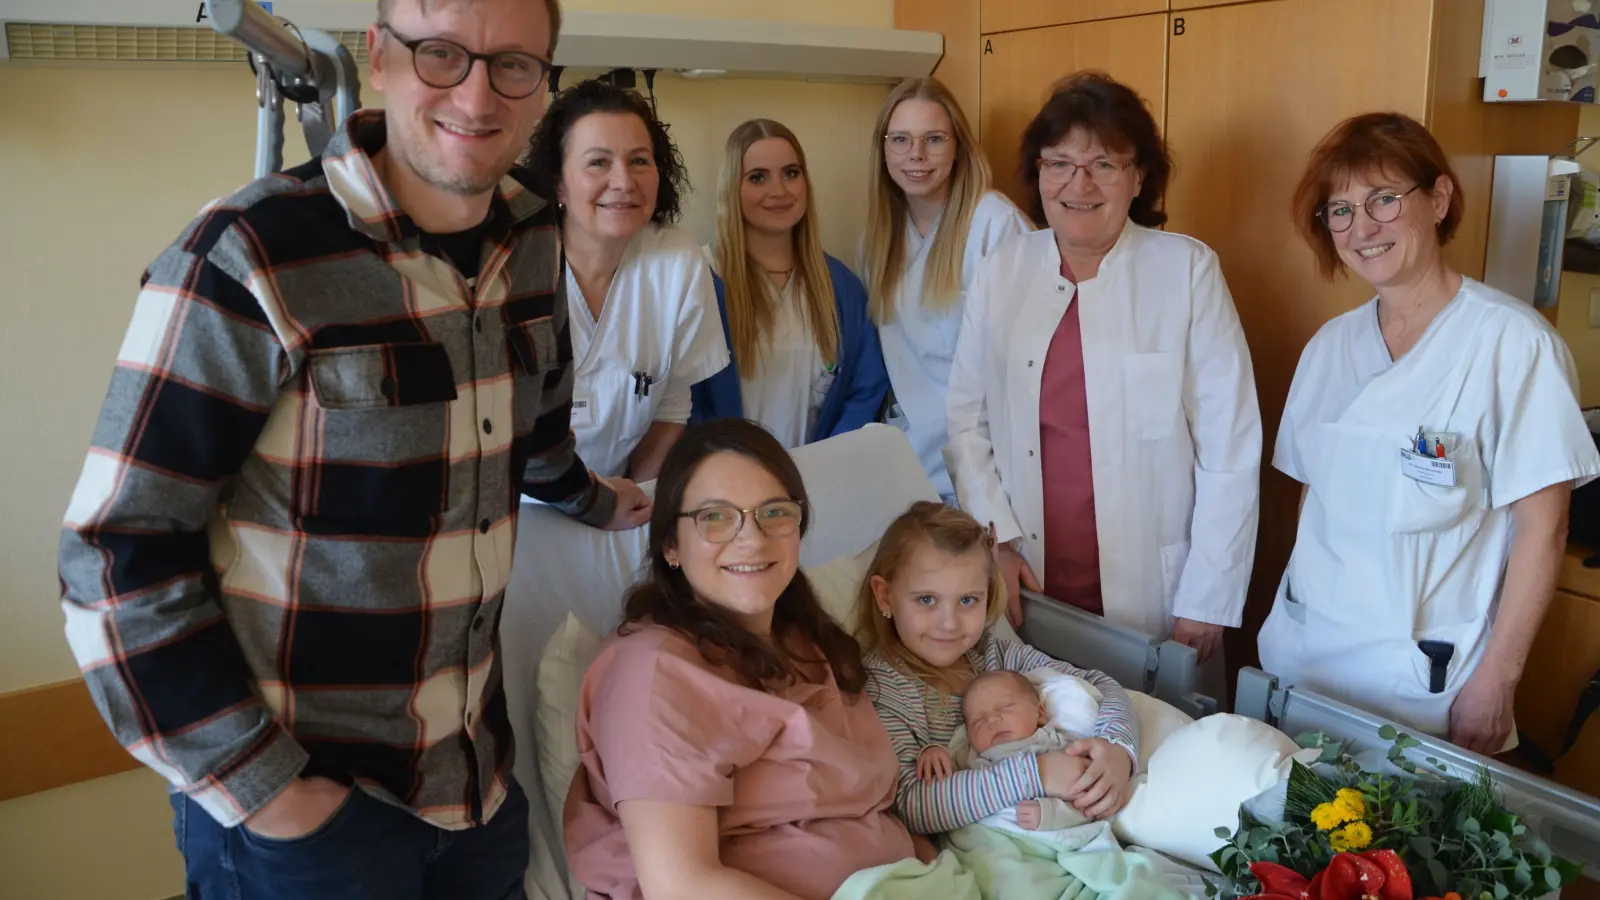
{"type": "Point", "coordinates": [1397, 878]}
{"type": "Point", "coordinates": [1276, 879]}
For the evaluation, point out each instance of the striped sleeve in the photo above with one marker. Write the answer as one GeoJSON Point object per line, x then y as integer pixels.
{"type": "Point", "coordinates": [1116, 722]}
{"type": "Point", "coordinates": [965, 797]}
{"type": "Point", "coordinates": [198, 371]}
{"type": "Point", "coordinates": [554, 473]}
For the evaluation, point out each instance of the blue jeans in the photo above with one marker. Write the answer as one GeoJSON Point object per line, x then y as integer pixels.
{"type": "Point", "coordinates": [368, 850]}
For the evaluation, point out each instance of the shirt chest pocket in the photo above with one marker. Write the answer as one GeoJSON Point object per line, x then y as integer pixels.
{"type": "Point", "coordinates": [382, 432]}
{"type": "Point", "coordinates": [1421, 508]}
{"type": "Point", "coordinates": [537, 357]}
{"type": "Point", "coordinates": [1153, 398]}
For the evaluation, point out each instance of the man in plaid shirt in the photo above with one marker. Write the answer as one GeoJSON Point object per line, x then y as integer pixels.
{"type": "Point", "coordinates": [284, 563]}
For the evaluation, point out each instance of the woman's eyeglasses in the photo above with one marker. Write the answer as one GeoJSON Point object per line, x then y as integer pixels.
{"type": "Point", "coordinates": [934, 143]}
{"type": "Point", "coordinates": [1383, 206]}
{"type": "Point", "coordinates": [1054, 170]}
{"type": "Point", "coordinates": [444, 64]}
{"type": "Point", "coordinates": [721, 524]}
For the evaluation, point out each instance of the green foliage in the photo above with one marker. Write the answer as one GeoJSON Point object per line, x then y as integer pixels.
{"type": "Point", "coordinates": [1454, 834]}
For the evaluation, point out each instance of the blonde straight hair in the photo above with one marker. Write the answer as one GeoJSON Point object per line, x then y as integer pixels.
{"type": "Point", "coordinates": [885, 248]}
{"type": "Point", "coordinates": [925, 524]}
{"type": "Point", "coordinates": [748, 293]}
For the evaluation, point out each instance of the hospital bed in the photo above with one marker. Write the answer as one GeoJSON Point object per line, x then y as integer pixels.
{"type": "Point", "coordinates": [859, 483]}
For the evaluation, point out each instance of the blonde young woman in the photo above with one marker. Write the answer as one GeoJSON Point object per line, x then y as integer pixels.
{"type": "Point", "coordinates": [806, 363]}
{"type": "Point", "coordinates": [931, 218]}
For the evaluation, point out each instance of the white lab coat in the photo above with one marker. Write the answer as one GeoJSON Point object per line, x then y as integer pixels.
{"type": "Point", "coordinates": [919, 344]}
{"type": "Point", "coordinates": [1382, 561]}
{"type": "Point", "coordinates": [1174, 429]}
{"type": "Point", "coordinates": [660, 317]}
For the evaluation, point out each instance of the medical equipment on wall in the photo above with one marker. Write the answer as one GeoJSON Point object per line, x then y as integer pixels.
{"type": "Point", "coordinates": [1528, 220]}
{"type": "Point", "coordinates": [308, 67]}
{"type": "Point", "coordinates": [1540, 50]}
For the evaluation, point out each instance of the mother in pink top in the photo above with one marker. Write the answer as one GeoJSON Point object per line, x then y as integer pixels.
{"type": "Point", "coordinates": [727, 750]}
{"type": "Point", "coordinates": [1102, 405]}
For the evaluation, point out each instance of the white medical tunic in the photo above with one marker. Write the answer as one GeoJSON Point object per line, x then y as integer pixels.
{"type": "Point", "coordinates": [919, 344]}
{"type": "Point", "coordinates": [1382, 560]}
{"type": "Point", "coordinates": [659, 322]}
{"type": "Point", "coordinates": [785, 394]}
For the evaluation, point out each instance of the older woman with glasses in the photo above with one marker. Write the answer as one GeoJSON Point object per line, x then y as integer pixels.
{"type": "Point", "coordinates": [1102, 404]}
{"type": "Point", "coordinates": [1437, 432]}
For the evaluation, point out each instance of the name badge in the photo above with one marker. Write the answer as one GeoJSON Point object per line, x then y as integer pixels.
{"type": "Point", "coordinates": [582, 412]}
{"type": "Point", "coordinates": [1428, 469]}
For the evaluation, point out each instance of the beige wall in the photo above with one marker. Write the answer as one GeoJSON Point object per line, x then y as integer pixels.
{"type": "Point", "coordinates": [103, 167]}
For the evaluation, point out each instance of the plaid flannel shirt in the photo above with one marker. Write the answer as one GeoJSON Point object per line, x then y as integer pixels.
{"type": "Point", "coordinates": [288, 548]}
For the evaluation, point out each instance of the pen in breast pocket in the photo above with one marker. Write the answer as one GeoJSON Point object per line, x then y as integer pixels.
{"type": "Point", "coordinates": [1420, 443]}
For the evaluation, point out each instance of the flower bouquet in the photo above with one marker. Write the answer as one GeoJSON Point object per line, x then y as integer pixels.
{"type": "Point", "coordinates": [1409, 832]}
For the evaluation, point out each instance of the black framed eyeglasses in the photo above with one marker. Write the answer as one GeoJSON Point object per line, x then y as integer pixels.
{"type": "Point", "coordinates": [513, 74]}
{"type": "Point", "coordinates": [721, 524]}
{"type": "Point", "coordinates": [1383, 206]}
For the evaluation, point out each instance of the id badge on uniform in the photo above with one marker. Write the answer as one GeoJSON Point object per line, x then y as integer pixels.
{"type": "Point", "coordinates": [582, 411]}
{"type": "Point", "coordinates": [1427, 458]}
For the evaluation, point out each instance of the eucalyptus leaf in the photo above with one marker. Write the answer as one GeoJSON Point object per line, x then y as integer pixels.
{"type": "Point", "coordinates": [1224, 833]}
{"type": "Point", "coordinates": [1552, 878]}
{"type": "Point", "coordinates": [1470, 825]}
{"type": "Point", "coordinates": [1439, 874]}
{"type": "Point", "coordinates": [1423, 847]}
{"type": "Point", "coordinates": [1388, 732]}
{"type": "Point", "coordinates": [1501, 892]}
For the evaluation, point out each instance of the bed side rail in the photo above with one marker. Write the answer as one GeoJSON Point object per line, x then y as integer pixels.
{"type": "Point", "coordinates": [1163, 669]}
{"type": "Point", "coordinates": [1567, 820]}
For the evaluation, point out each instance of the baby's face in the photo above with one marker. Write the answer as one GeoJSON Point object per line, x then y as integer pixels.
{"type": "Point", "coordinates": [998, 710]}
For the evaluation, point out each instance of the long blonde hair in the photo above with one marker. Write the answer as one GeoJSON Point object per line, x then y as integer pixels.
{"type": "Point", "coordinates": [925, 524]}
{"type": "Point", "coordinates": [751, 303]}
{"type": "Point", "coordinates": [885, 249]}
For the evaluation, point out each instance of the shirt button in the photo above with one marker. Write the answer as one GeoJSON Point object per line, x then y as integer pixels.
{"type": "Point", "coordinates": [483, 527]}
{"type": "Point", "coordinates": [488, 427]}
{"type": "Point", "coordinates": [387, 387]}
{"type": "Point", "coordinates": [1030, 363]}
{"type": "Point", "coordinates": [1030, 452]}
{"type": "Point", "coordinates": [1061, 288]}
{"type": "Point", "coordinates": [1034, 536]}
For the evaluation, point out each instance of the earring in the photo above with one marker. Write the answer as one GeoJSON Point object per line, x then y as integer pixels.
{"type": "Point", "coordinates": [672, 563]}
{"type": "Point", "coordinates": [887, 615]}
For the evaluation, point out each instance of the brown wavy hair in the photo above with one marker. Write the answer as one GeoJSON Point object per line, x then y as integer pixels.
{"type": "Point", "coordinates": [666, 598]}
{"type": "Point", "coordinates": [1116, 116]}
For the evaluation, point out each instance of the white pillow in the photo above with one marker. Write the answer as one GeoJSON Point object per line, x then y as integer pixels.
{"type": "Point", "coordinates": [1198, 778]}
{"type": "Point", "coordinates": [837, 584]}
{"type": "Point", "coordinates": [566, 657]}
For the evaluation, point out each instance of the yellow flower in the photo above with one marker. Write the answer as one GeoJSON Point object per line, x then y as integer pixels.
{"type": "Point", "coordinates": [1329, 816]}
{"type": "Point", "coordinates": [1352, 801]}
{"type": "Point", "coordinates": [1355, 836]}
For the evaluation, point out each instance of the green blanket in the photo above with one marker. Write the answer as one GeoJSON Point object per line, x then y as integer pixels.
{"type": "Point", "coordinates": [984, 863]}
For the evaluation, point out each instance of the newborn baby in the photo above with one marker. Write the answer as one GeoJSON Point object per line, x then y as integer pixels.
{"type": "Point", "coordinates": [1005, 717]}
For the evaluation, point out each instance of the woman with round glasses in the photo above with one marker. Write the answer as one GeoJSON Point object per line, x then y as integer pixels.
{"type": "Point", "coordinates": [726, 748]}
{"type": "Point", "coordinates": [931, 218]}
{"type": "Point", "coordinates": [1102, 404]}
{"type": "Point", "coordinates": [642, 311]}
{"type": "Point", "coordinates": [1437, 432]}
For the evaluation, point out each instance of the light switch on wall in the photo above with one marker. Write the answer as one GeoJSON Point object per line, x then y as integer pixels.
{"type": "Point", "coordinates": [1594, 307]}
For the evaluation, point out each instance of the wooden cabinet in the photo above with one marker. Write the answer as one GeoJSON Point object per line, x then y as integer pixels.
{"type": "Point", "coordinates": [1564, 657]}
{"type": "Point", "coordinates": [1018, 69]}
{"type": "Point", "coordinates": [1197, 4]}
{"type": "Point", "coordinates": [1013, 15]}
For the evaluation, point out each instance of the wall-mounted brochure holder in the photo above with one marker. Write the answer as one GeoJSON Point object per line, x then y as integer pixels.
{"type": "Point", "coordinates": [1529, 216]}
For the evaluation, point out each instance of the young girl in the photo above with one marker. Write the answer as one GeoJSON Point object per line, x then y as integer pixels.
{"type": "Point", "coordinates": [931, 218]}
{"type": "Point", "coordinates": [806, 363]}
{"type": "Point", "coordinates": [928, 608]}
